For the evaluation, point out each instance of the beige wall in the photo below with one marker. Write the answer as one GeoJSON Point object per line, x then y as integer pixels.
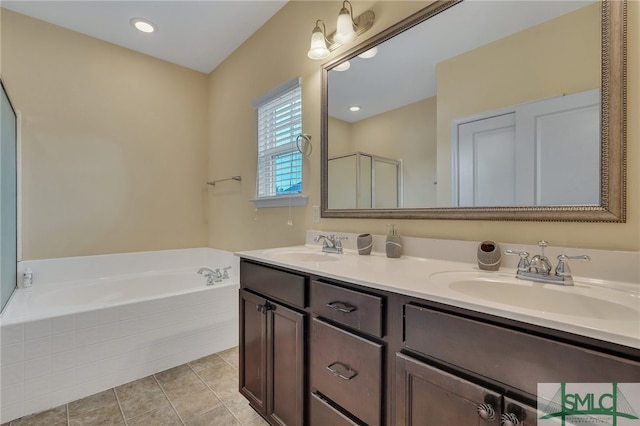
{"type": "Point", "coordinates": [277, 53]}
{"type": "Point", "coordinates": [113, 144]}
{"type": "Point", "coordinates": [274, 54]}
{"type": "Point", "coordinates": [106, 171]}
{"type": "Point", "coordinates": [542, 61]}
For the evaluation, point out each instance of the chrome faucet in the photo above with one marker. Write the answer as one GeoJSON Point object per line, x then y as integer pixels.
{"type": "Point", "coordinates": [540, 263]}
{"type": "Point", "coordinates": [539, 268]}
{"type": "Point", "coordinates": [212, 276]}
{"type": "Point", "coordinates": [331, 243]}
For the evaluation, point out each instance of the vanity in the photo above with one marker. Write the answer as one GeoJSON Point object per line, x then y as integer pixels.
{"type": "Point", "coordinates": [343, 339]}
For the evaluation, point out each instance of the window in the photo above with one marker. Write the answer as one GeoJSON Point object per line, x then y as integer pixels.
{"type": "Point", "coordinates": [279, 176]}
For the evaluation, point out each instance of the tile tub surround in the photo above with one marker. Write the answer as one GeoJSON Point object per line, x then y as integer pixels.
{"type": "Point", "coordinates": [50, 361]}
{"type": "Point", "coordinates": [201, 392]}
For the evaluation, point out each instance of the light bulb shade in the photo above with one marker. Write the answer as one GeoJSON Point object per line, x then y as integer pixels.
{"type": "Point", "coordinates": [368, 54]}
{"type": "Point", "coordinates": [345, 33]}
{"type": "Point", "coordinates": [343, 66]}
{"type": "Point", "coordinates": [318, 49]}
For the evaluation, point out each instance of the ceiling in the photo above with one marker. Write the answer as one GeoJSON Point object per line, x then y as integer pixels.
{"type": "Point", "coordinates": [195, 34]}
{"type": "Point", "coordinates": [404, 70]}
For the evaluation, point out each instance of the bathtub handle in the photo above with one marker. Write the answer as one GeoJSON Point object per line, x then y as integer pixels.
{"type": "Point", "coordinates": [265, 308]}
{"type": "Point", "coordinates": [225, 273]}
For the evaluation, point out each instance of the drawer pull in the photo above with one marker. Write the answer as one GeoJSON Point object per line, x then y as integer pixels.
{"type": "Point", "coordinates": [486, 412]}
{"type": "Point", "coordinates": [341, 307]}
{"type": "Point", "coordinates": [350, 374]}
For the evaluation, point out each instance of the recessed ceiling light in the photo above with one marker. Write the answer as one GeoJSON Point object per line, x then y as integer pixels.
{"type": "Point", "coordinates": [143, 25]}
{"type": "Point", "coordinates": [354, 108]}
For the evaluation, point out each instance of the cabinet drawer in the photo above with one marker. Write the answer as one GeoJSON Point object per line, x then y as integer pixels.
{"type": "Point", "coordinates": [514, 358]}
{"type": "Point", "coordinates": [322, 414]}
{"type": "Point", "coordinates": [347, 369]}
{"type": "Point", "coordinates": [352, 308]}
{"type": "Point", "coordinates": [280, 285]}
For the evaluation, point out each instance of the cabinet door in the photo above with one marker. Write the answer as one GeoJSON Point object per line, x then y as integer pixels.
{"type": "Point", "coordinates": [285, 343]}
{"type": "Point", "coordinates": [427, 396]}
{"type": "Point", "coordinates": [253, 350]}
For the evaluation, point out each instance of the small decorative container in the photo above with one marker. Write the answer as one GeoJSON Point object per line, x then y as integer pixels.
{"type": "Point", "coordinates": [365, 244]}
{"type": "Point", "coordinates": [489, 256]}
{"type": "Point", "coordinates": [393, 245]}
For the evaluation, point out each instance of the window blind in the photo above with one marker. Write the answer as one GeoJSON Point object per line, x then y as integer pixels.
{"type": "Point", "coordinates": [279, 124]}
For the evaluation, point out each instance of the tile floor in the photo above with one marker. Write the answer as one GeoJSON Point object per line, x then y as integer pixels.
{"type": "Point", "coordinates": [202, 392]}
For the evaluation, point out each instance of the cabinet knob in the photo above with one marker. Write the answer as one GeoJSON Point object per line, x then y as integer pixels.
{"type": "Point", "coordinates": [509, 419]}
{"type": "Point", "coordinates": [265, 308]}
{"type": "Point", "coordinates": [487, 412]}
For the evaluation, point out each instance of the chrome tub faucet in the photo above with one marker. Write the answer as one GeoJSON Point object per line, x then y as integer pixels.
{"type": "Point", "coordinates": [211, 275]}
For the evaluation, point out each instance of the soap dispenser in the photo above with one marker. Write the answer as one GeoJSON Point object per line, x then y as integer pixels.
{"type": "Point", "coordinates": [393, 244]}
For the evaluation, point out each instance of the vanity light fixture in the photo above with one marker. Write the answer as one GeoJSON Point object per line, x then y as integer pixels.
{"type": "Point", "coordinates": [348, 30]}
{"type": "Point", "coordinates": [318, 49]}
{"type": "Point", "coordinates": [345, 31]}
{"type": "Point", "coordinates": [343, 66]}
{"type": "Point", "coordinates": [143, 25]}
{"type": "Point", "coordinates": [368, 54]}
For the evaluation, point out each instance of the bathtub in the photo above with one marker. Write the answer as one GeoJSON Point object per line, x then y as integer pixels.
{"type": "Point", "coordinates": [91, 323]}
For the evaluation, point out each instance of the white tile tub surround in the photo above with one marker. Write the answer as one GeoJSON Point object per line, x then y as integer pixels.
{"type": "Point", "coordinates": [46, 362]}
{"type": "Point", "coordinates": [605, 265]}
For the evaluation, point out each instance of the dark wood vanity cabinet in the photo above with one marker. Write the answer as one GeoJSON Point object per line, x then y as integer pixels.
{"type": "Point", "coordinates": [272, 348]}
{"type": "Point", "coordinates": [475, 369]}
{"type": "Point", "coordinates": [314, 351]}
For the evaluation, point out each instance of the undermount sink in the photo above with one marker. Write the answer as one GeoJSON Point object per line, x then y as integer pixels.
{"type": "Point", "coordinates": [302, 255]}
{"type": "Point", "coordinates": [552, 298]}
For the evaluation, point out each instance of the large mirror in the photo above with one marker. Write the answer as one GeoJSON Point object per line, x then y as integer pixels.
{"type": "Point", "coordinates": [511, 110]}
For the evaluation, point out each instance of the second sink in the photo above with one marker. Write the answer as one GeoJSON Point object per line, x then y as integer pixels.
{"type": "Point", "coordinates": [551, 298]}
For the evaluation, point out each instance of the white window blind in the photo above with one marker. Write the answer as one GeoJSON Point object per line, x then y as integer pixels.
{"type": "Point", "coordinates": [279, 124]}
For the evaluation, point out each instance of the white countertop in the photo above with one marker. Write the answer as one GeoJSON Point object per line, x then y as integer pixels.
{"type": "Point", "coordinates": [615, 305]}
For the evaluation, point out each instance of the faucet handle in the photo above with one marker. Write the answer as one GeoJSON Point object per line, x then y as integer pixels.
{"type": "Point", "coordinates": [523, 264]}
{"type": "Point", "coordinates": [225, 274]}
{"type": "Point", "coordinates": [339, 240]}
{"type": "Point", "coordinates": [563, 269]}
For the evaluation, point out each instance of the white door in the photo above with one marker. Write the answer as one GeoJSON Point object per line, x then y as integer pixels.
{"type": "Point", "coordinates": [541, 153]}
{"type": "Point", "coordinates": [486, 162]}
{"type": "Point", "coordinates": [563, 136]}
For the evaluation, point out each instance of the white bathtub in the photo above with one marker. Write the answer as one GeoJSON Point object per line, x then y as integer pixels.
{"type": "Point", "coordinates": [91, 323]}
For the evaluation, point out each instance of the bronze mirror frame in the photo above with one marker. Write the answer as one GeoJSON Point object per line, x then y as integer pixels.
{"type": "Point", "coordinates": [612, 206]}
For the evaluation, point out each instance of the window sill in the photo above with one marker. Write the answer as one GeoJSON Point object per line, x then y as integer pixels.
{"type": "Point", "coordinates": [281, 201]}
